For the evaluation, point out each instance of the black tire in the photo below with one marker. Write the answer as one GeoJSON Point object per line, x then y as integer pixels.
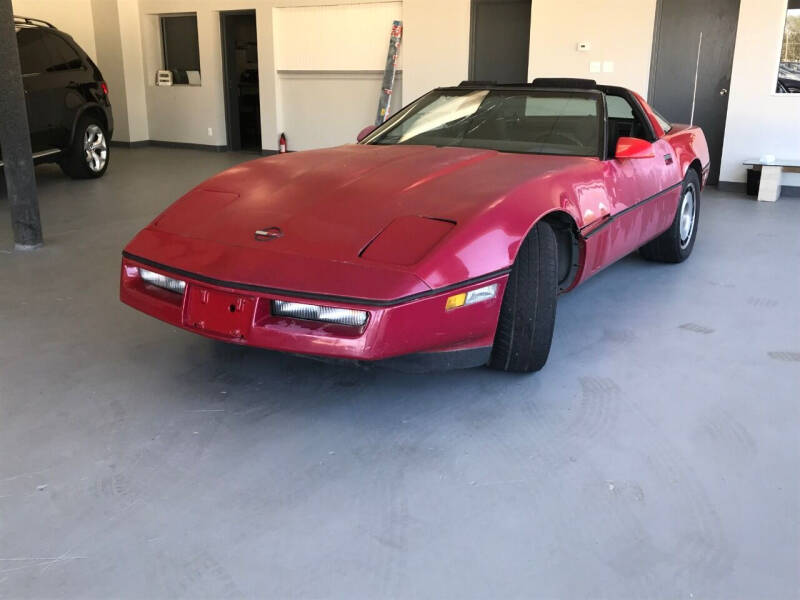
{"type": "Point", "coordinates": [671, 246]}
{"type": "Point", "coordinates": [528, 313]}
{"type": "Point", "coordinates": [75, 161]}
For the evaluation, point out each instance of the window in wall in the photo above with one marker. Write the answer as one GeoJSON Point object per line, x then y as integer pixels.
{"type": "Point", "coordinates": [181, 48]}
{"type": "Point", "coordinates": [789, 67]}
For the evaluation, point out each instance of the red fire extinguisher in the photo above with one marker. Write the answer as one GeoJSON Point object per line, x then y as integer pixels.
{"type": "Point", "coordinates": [282, 144]}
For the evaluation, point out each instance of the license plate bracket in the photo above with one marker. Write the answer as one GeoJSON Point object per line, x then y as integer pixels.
{"type": "Point", "coordinates": [218, 312]}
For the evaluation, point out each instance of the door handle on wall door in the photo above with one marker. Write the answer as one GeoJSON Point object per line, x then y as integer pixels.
{"type": "Point", "coordinates": [723, 91]}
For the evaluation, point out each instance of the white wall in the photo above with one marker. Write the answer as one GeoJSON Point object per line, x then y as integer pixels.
{"type": "Point", "coordinates": [435, 47]}
{"type": "Point", "coordinates": [620, 31]}
{"type": "Point", "coordinates": [330, 62]}
{"type": "Point", "coordinates": [329, 109]}
{"type": "Point", "coordinates": [72, 16]}
{"type": "Point", "coordinates": [130, 30]}
{"type": "Point", "coordinates": [109, 59]}
{"type": "Point", "coordinates": [344, 37]}
{"type": "Point", "coordinates": [759, 120]}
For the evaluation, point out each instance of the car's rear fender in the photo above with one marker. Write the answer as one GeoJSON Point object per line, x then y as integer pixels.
{"type": "Point", "coordinates": [691, 150]}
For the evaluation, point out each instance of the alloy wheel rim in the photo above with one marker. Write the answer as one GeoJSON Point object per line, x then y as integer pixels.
{"type": "Point", "coordinates": [687, 218]}
{"type": "Point", "coordinates": [95, 148]}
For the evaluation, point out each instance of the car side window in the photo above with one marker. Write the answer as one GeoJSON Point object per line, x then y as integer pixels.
{"type": "Point", "coordinates": [623, 121]}
{"type": "Point", "coordinates": [63, 57]}
{"type": "Point", "coordinates": [33, 56]}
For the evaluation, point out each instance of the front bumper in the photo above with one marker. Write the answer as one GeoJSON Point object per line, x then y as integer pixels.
{"type": "Point", "coordinates": [416, 330]}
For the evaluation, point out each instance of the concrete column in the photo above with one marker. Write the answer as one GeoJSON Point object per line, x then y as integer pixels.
{"type": "Point", "coordinates": [15, 139]}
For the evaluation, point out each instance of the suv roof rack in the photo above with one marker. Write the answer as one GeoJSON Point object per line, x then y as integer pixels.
{"type": "Point", "coordinates": [565, 82]}
{"type": "Point", "coordinates": [32, 22]}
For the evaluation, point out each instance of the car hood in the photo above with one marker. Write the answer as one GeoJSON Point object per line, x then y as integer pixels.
{"type": "Point", "coordinates": [332, 202]}
{"type": "Point", "coordinates": [326, 206]}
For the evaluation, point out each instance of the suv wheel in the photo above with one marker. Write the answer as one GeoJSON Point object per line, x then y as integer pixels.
{"type": "Point", "coordinates": [89, 153]}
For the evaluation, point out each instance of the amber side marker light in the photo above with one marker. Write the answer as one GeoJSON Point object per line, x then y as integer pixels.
{"type": "Point", "coordinates": [482, 294]}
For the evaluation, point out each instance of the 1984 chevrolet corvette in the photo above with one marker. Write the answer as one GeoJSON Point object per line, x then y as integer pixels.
{"type": "Point", "coordinates": [440, 240]}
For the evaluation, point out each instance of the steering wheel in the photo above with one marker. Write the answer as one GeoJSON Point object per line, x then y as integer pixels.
{"type": "Point", "coordinates": [551, 136]}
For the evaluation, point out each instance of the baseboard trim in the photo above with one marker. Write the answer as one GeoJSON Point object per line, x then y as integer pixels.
{"type": "Point", "coordinates": [165, 144]}
{"type": "Point", "coordinates": [121, 144]}
{"type": "Point", "coordinates": [740, 187]}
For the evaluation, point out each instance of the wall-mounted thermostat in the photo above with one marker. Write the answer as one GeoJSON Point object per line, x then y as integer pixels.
{"type": "Point", "coordinates": [584, 46]}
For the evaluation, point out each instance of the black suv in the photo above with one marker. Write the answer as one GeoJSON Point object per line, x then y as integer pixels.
{"type": "Point", "coordinates": [68, 109]}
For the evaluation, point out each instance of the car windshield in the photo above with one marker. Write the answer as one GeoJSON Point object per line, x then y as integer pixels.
{"type": "Point", "coordinates": [531, 122]}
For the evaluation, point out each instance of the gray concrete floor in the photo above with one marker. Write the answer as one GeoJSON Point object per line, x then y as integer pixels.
{"type": "Point", "coordinates": [656, 455]}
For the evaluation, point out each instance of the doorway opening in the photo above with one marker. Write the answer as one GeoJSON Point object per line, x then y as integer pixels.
{"type": "Point", "coordinates": [240, 65]}
{"type": "Point", "coordinates": [500, 32]}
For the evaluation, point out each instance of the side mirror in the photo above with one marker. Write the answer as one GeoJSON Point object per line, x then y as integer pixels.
{"type": "Point", "coordinates": [628, 147]}
{"type": "Point", "coordinates": [365, 132]}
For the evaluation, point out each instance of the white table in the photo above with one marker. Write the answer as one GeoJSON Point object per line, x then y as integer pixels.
{"type": "Point", "coordinates": [769, 190]}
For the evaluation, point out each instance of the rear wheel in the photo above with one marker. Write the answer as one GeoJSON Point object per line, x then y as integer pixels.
{"type": "Point", "coordinates": [528, 311]}
{"type": "Point", "coordinates": [676, 243]}
{"type": "Point", "coordinates": [87, 157]}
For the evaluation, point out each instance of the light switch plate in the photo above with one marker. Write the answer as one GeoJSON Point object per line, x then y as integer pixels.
{"type": "Point", "coordinates": [594, 66]}
{"type": "Point", "coordinates": [608, 66]}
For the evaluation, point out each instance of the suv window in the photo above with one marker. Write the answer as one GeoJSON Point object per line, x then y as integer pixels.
{"type": "Point", "coordinates": [63, 57]}
{"type": "Point", "coordinates": [33, 57]}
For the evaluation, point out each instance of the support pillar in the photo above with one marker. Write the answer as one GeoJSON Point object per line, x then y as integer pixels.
{"type": "Point", "coordinates": [15, 140]}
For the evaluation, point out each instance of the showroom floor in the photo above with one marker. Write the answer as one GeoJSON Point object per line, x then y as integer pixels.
{"type": "Point", "coordinates": [657, 454]}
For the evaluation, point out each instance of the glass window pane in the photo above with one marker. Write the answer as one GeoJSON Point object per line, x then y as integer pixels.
{"type": "Point", "coordinates": [506, 120]}
{"type": "Point", "coordinates": [181, 50]}
{"type": "Point", "coordinates": [33, 55]}
{"type": "Point", "coordinates": [789, 68]}
{"type": "Point", "coordinates": [618, 108]}
{"type": "Point", "coordinates": [63, 56]}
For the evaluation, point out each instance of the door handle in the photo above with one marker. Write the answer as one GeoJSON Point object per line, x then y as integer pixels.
{"type": "Point", "coordinates": [723, 91]}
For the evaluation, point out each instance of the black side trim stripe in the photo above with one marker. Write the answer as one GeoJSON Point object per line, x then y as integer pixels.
{"type": "Point", "coordinates": [309, 295]}
{"type": "Point", "coordinates": [610, 219]}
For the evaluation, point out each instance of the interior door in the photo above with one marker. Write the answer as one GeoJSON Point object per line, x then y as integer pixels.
{"type": "Point", "coordinates": [499, 40]}
{"type": "Point", "coordinates": [674, 61]}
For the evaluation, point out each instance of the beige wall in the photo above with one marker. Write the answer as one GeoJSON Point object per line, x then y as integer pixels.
{"type": "Point", "coordinates": [72, 16]}
{"type": "Point", "coordinates": [435, 47]}
{"type": "Point", "coordinates": [759, 120]}
{"type": "Point", "coordinates": [168, 117]}
{"type": "Point", "coordinates": [619, 31]}
{"type": "Point", "coordinates": [109, 60]}
{"type": "Point", "coordinates": [130, 30]}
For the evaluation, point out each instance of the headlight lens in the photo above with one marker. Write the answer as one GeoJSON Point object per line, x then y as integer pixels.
{"type": "Point", "coordinates": [313, 312]}
{"type": "Point", "coordinates": [162, 281]}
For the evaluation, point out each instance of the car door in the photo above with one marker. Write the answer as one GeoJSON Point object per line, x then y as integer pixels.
{"type": "Point", "coordinates": [641, 191]}
{"type": "Point", "coordinates": [34, 60]}
{"type": "Point", "coordinates": [66, 75]}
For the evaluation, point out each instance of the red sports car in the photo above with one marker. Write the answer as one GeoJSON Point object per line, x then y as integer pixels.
{"type": "Point", "coordinates": [441, 239]}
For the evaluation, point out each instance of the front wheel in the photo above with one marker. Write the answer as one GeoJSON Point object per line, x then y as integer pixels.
{"type": "Point", "coordinates": [676, 243]}
{"type": "Point", "coordinates": [528, 312]}
{"type": "Point", "coordinates": [87, 157]}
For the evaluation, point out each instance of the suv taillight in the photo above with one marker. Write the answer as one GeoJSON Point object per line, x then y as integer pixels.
{"type": "Point", "coordinates": [104, 87]}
